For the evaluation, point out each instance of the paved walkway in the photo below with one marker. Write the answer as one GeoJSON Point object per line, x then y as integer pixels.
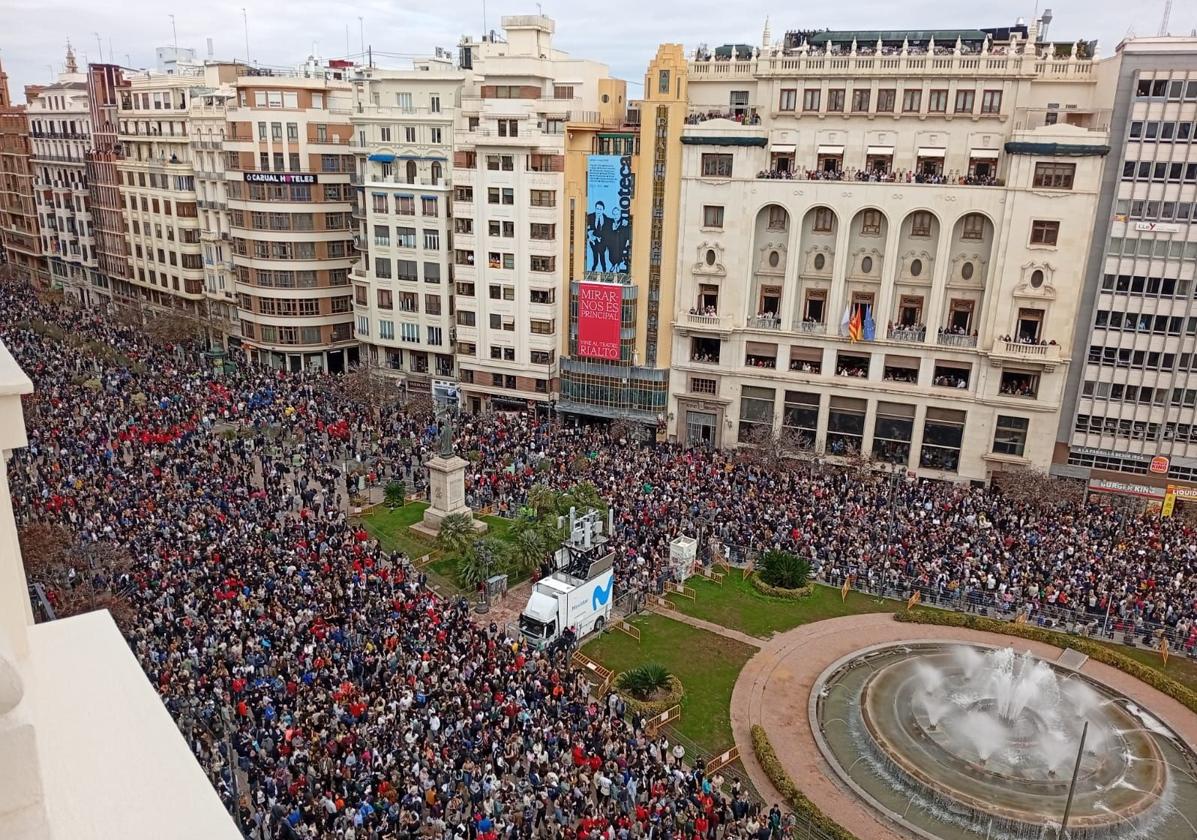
{"type": "Point", "coordinates": [678, 615]}
{"type": "Point", "coordinates": [774, 689]}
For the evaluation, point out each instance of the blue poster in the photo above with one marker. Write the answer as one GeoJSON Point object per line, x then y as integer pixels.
{"type": "Point", "coordinates": [609, 214]}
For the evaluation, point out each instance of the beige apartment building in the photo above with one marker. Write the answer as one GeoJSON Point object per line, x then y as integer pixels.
{"type": "Point", "coordinates": [403, 122]}
{"type": "Point", "coordinates": [288, 170]}
{"type": "Point", "coordinates": [209, 122]}
{"type": "Point", "coordinates": [508, 189]}
{"type": "Point", "coordinates": [883, 245]}
{"type": "Point", "coordinates": [60, 138]}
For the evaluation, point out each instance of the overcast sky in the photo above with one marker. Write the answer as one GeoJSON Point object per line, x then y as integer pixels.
{"type": "Point", "coordinates": [622, 33]}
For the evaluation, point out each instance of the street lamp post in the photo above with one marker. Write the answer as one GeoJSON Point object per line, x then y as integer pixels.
{"type": "Point", "coordinates": [1076, 770]}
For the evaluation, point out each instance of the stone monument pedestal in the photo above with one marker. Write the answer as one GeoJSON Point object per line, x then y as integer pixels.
{"type": "Point", "coordinates": [446, 479]}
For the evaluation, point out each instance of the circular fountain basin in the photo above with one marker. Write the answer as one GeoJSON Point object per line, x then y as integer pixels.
{"type": "Point", "coordinates": [956, 741]}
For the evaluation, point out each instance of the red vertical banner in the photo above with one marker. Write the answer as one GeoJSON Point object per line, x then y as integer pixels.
{"type": "Point", "coordinates": [600, 306]}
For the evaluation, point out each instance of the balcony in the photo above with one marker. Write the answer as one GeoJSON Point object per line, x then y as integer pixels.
{"type": "Point", "coordinates": [1026, 352]}
{"type": "Point", "coordinates": [947, 339]}
{"type": "Point", "coordinates": [710, 322]}
{"type": "Point", "coordinates": [908, 334]}
{"type": "Point", "coordinates": [894, 62]}
{"type": "Point", "coordinates": [809, 327]}
{"type": "Point", "coordinates": [764, 322]}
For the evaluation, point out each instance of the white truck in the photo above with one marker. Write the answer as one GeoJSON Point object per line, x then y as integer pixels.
{"type": "Point", "coordinates": [580, 593]}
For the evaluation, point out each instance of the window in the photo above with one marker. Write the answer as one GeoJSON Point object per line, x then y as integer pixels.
{"type": "Point", "coordinates": [382, 268]}
{"type": "Point", "coordinates": [717, 165]}
{"type": "Point", "coordinates": [432, 240]}
{"type": "Point", "coordinates": [885, 101]}
{"type": "Point", "coordinates": [943, 431]}
{"type": "Point", "coordinates": [964, 101]}
{"type": "Point", "coordinates": [937, 101]}
{"type": "Point", "coordinates": [810, 99]}
{"type": "Point", "coordinates": [508, 128]}
{"type": "Point", "coordinates": [991, 102]}
{"type": "Point", "coordinates": [712, 216]}
{"type": "Point", "coordinates": [500, 163]}
{"type": "Point", "coordinates": [824, 220]}
{"type": "Point", "coordinates": [663, 81]}
{"type": "Point", "coordinates": [1054, 176]}
{"type": "Point", "coordinates": [972, 226]}
{"type": "Point", "coordinates": [385, 299]}
{"type": "Point", "coordinates": [386, 329]}
{"type": "Point", "coordinates": [434, 105]}
{"type": "Point", "coordinates": [845, 425]}
{"type": "Point", "coordinates": [1010, 435]}
{"type": "Point", "coordinates": [429, 206]}
{"type": "Point", "coordinates": [500, 195]}
{"type": "Point", "coordinates": [405, 237]}
{"type": "Point", "coordinates": [920, 223]}
{"type": "Point", "coordinates": [860, 100]}
{"type": "Point", "coordinates": [778, 217]}
{"type": "Point", "coordinates": [1044, 232]}
{"type": "Point", "coordinates": [870, 222]}
{"type": "Point", "coordinates": [911, 101]}
{"type": "Point", "coordinates": [403, 101]}
{"type": "Point", "coordinates": [756, 412]}
{"type": "Point", "coordinates": [543, 198]}
{"type": "Point", "coordinates": [835, 100]}
{"type": "Point", "coordinates": [788, 99]}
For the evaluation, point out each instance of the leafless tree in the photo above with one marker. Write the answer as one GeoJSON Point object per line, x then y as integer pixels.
{"type": "Point", "coordinates": [1038, 489]}
{"type": "Point", "coordinates": [366, 389]}
{"type": "Point", "coordinates": [45, 548]}
{"type": "Point", "coordinates": [170, 328]}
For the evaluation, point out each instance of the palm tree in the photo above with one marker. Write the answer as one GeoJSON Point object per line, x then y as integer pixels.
{"type": "Point", "coordinates": [584, 496]}
{"type": "Point", "coordinates": [456, 534]}
{"type": "Point", "coordinates": [481, 559]}
{"type": "Point", "coordinates": [544, 500]}
{"type": "Point", "coordinates": [645, 681]}
{"type": "Point", "coordinates": [530, 540]}
{"type": "Point", "coordinates": [784, 569]}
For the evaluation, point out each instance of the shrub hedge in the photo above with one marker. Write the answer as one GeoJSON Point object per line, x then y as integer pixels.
{"type": "Point", "coordinates": [778, 592]}
{"type": "Point", "coordinates": [803, 807]}
{"type": "Point", "coordinates": [1108, 656]}
{"type": "Point", "coordinates": [653, 707]}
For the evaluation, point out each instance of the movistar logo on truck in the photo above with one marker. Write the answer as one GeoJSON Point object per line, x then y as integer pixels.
{"type": "Point", "coordinates": [600, 596]}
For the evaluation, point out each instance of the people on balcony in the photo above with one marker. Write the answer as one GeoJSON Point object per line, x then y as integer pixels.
{"type": "Point", "coordinates": [907, 332]}
{"type": "Point", "coordinates": [703, 310]}
{"type": "Point", "coordinates": [749, 118]}
{"type": "Point", "coordinates": [902, 176]}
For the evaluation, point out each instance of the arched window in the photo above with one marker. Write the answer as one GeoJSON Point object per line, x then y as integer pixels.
{"type": "Point", "coordinates": [411, 172]}
{"type": "Point", "coordinates": [436, 172]}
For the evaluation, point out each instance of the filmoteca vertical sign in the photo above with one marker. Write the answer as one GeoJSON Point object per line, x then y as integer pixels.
{"type": "Point", "coordinates": [599, 309]}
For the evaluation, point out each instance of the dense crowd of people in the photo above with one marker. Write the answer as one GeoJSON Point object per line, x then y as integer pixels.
{"type": "Point", "coordinates": [360, 705]}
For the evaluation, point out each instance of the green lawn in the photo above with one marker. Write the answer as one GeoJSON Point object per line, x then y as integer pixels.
{"type": "Point", "coordinates": [1180, 667]}
{"type": "Point", "coordinates": [736, 604]}
{"type": "Point", "coordinates": [707, 665]}
{"type": "Point", "coordinates": [392, 528]}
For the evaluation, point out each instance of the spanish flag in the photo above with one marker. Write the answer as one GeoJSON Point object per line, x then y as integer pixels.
{"type": "Point", "coordinates": [914, 599]}
{"type": "Point", "coordinates": [1164, 649]}
{"type": "Point", "coordinates": [856, 325]}
{"type": "Point", "coordinates": [844, 590]}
